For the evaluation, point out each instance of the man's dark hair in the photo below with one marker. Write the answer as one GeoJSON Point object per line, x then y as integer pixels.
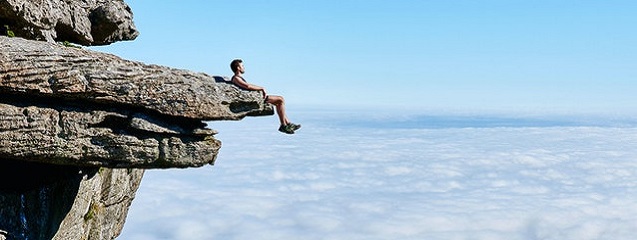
{"type": "Point", "coordinates": [234, 65]}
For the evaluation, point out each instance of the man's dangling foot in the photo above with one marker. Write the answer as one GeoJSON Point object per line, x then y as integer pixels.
{"type": "Point", "coordinates": [286, 129]}
{"type": "Point", "coordinates": [294, 126]}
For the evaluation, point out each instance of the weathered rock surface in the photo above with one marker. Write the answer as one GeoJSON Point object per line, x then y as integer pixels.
{"type": "Point", "coordinates": [54, 71]}
{"type": "Point", "coordinates": [85, 22]}
{"type": "Point", "coordinates": [77, 107]}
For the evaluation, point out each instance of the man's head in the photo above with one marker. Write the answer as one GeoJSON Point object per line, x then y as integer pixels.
{"type": "Point", "coordinates": [237, 66]}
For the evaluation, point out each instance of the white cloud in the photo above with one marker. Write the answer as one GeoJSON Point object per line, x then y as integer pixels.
{"type": "Point", "coordinates": [366, 183]}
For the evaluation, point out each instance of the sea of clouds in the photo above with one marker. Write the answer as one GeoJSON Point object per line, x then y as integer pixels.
{"type": "Point", "coordinates": [372, 176]}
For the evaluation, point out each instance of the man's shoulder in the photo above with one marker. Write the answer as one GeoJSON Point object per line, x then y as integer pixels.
{"type": "Point", "coordinates": [237, 78]}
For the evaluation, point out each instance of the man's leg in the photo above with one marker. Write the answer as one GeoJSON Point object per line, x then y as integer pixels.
{"type": "Point", "coordinates": [279, 104]}
{"type": "Point", "coordinates": [286, 125]}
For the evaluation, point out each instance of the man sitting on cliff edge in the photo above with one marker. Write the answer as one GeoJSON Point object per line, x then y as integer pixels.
{"type": "Point", "coordinates": [278, 101]}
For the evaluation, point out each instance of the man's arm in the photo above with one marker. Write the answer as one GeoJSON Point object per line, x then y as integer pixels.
{"type": "Point", "coordinates": [243, 84]}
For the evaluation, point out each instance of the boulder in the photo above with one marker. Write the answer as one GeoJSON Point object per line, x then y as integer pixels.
{"type": "Point", "coordinates": [85, 22]}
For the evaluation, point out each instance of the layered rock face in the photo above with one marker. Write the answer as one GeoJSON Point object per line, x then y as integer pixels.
{"type": "Point", "coordinates": [71, 106]}
{"type": "Point", "coordinates": [85, 22]}
{"type": "Point", "coordinates": [78, 128]}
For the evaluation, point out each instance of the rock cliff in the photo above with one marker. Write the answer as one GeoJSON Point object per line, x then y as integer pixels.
{"type": "Point", "coordinates": [43, 201]}
{"type": "Point", "coordinates": [78, 127]}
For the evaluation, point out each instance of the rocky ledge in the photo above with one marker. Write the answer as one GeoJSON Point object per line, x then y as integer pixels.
{"type": "Point", "coordinates": [78, 128]}
{"type": "Point", "coordinates": [69, 106]}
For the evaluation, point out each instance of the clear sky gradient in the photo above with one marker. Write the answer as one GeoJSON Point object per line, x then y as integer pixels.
{"type": "Point", "coordinates": [496, 55]}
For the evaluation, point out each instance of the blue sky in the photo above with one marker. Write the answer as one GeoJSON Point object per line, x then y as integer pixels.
{"type": "Point", "coordinates": [495, 55]}
{"type": "Point", "coordinates": [356, 174]}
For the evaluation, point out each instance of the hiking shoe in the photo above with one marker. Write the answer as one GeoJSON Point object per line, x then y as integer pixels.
{"type": "Point", "coordinates": [286, 129]}
{"type": "Point", "coordinates": [294, 126]}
